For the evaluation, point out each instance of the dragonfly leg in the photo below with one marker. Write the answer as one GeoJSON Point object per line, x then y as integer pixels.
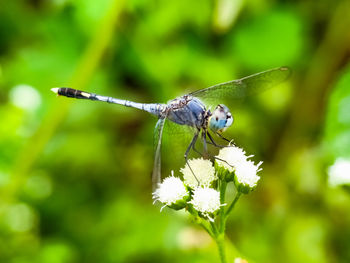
{"type": "Point", "coordinates": [222, 137]}
{"type": "Point", "coordinates": [221, 146]}
{"type": "Point", "coordinates": [222, 160]}
{"type": "Point", "coordinates": [213, 142]}
{"type": "Point", "coordinates": [194, 149]}
{"type": "Point", "coordinates": [191, 146]}
{"type": "Point", "coordinates": [205, 148]}
{"type": "Point", "coordinates": [207, 154]}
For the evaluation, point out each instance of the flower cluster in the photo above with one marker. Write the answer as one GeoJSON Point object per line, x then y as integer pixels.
{"type": "Point", "coordinates": [199, 191]}
{"type": "Point", "coordinates": [194, 191]}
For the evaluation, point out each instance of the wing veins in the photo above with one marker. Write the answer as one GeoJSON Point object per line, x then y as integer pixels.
{"type": "Point", "coordinates": [245, 86]}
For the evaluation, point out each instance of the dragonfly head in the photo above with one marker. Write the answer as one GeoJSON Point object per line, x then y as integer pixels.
{"type": "Point", "coordinates": [220, 119]}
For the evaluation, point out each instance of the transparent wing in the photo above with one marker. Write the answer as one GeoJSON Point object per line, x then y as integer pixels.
{"type": "Point", "coordinates": [237, 89]}
{"type": "Point", "coordinates": [176, 139]}
{"type": "Point", "coordinates": [158, 132]}
{"type": "Point", "coordinates": [170, 143]}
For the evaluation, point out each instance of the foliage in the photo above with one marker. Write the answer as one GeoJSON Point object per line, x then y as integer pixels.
{"type": "Point", "coordinates": [75, 176]}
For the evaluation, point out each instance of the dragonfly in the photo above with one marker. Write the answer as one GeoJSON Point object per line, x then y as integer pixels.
{"type": "Point", "coordinates": [191, 110]}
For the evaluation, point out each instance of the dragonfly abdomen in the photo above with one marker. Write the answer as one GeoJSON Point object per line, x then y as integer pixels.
{"type": "Point", "coordinates": [74, 93]}
{"type": "Point", "coordinates": [153, 108]}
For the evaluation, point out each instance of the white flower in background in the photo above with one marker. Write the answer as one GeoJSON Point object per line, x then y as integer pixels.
{"type": "Point", "coordinates": [246, 173]}
{"type": "Point", "coordinates": [240, 260]}
{"type": "Point", "coordinates": [25, 97]}
{"type": "Point", "coordinates": [206, 200]}
{"type": "Point", "coordinates": [232, 157]}
{"type": "Point", "coordinates": [339, 173]}
{"type": "Point", "coordinates": [170, 191]}
{"type": "Point", "coordinates": [189, 238]}
{"type": "Point", "coordinates": [204, 171]}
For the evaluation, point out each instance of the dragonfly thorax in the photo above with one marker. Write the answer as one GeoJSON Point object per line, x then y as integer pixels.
{"type": "Point", "coordinates": [220, 119]}
{"type": "Point", "coordinates": [187, 110]}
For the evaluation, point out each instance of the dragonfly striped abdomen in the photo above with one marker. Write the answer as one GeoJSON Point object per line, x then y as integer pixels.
{"type": "Point", "coordinates": [153, 108]}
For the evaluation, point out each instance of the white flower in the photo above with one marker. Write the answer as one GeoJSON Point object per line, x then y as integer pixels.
{"type": "Point", "coordinates": [240, 260]}
{"type": "Point", "coordinates": [25, 97]}
{"type": "Point", "coordinates": [246, 173]}
{"type": "Point", "coordinates": [170, 191]}
{"type": "Point", "coordinates": [202, 169]}
{"type": "Point", "coordinates": [231, 156]}
{"type": "Point", "coordinates": [206, 200]}
{"type": "Point", "coordinates": [339, 173]}
{"type": "Point", "coordinates": [234, 159]}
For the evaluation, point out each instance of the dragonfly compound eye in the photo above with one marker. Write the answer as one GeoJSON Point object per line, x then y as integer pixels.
{"type": "Point", "coordinates": [229, 120]}
{"type": "Point", "coordinates": [220, 119]}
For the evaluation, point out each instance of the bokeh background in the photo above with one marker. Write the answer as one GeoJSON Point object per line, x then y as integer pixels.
{"type": "Point", "coordinates": [75, 175]}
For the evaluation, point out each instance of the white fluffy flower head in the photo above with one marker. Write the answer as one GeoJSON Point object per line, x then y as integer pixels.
{"type": "Point", "coordinates": [206, 200]}
{"type": "Point", "coordinates": [339, 173]}
{"type": "Point", "coordinates": [171, 190]}
{"type": "Point", "coordinates": [232, 157]}
{"type": "Point", "coordinates": [204, 171]}
{"type": "Point", "coordinates": [246, 173]}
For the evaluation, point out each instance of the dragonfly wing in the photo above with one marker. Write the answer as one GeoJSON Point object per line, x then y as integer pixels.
{"type": "Point", "coordinates": [158, 133]}
{"type": "Point", "coordinates": [247, 86]}
{"type": "Point", "coordinates": [176, 139]}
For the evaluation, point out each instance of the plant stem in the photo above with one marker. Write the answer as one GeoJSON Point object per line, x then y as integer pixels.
{"type": "Point", "coordinates": [228, 211]}
{"type": "Point", "coordinates": [214, 229]}
{"type": "Point", "coordinates": [206, 228]}
{"type": "Point", "coordinates": [220, 241]}
{"type": "Point", "coordinates": [222, 208]}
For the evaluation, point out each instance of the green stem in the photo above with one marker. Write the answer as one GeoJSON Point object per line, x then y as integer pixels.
{"type": "Point", "coordinates": [222, 208]}
{"type": "Point", "coordinates": [220, 231]}
{"type": "Point", "coordinates": [206, 228]}
{"type": "Point", "coordinates": [220, 241]}
{"type": "Point", "coordinates": [214, 229]}
{"type": "Point", "coordinates": [229, 209]}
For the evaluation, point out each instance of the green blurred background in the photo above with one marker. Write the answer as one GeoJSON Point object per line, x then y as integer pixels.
{"type": "Point", "coordinates": [75, 175]}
